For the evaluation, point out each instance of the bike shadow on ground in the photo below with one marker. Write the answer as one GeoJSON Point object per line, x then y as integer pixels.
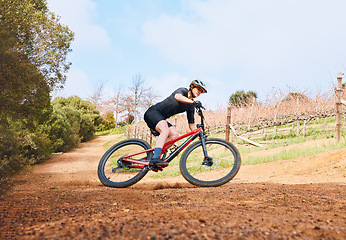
{"type": "Point", "coordinates": [164, 185]}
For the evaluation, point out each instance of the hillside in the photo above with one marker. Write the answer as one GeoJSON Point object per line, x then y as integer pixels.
{"type": "Point", "coordinates": [63, 198]}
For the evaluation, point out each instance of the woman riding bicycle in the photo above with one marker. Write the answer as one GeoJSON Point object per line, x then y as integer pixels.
{"type": "Point", "coordinates": [206, 162]}
{"type": "Point", "coordinates": [181, 100]}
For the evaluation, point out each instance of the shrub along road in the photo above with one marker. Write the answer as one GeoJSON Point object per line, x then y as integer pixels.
{"type": "Point", "coordinates": [302, 198]}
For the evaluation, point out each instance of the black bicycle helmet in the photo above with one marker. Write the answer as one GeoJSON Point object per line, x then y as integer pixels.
{"type": "Point", "coordinates": [198, 83]}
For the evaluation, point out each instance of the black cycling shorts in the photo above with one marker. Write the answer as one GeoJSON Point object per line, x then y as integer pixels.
{"type": "Point", "coordinates": [153, 116]}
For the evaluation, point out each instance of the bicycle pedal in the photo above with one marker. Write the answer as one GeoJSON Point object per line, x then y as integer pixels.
{"type": "Point", "coordinates": [156, 169]}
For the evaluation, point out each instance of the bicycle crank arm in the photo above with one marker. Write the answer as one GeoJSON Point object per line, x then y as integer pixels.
{"type": "Point", "coordinates": [135, 161]}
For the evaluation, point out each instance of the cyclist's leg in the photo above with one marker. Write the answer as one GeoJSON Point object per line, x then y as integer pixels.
{"type": "Point", "coordinates": [155, 120]}
{"type": "Point", "coordinates": [169, 133]}
{"type": "Point", "coordinates": [173, 134]}
{"type": "Point", "coordinates": [164, 130]}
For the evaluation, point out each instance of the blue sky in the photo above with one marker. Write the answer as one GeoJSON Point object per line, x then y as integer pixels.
{"type": "Point", "coordinates": [256, 45]}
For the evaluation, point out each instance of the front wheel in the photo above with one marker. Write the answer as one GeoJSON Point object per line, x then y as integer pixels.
{"type": "Point", "coordinates": [223, 163]}
{"type": "Point", "coordinates": [115, 172]}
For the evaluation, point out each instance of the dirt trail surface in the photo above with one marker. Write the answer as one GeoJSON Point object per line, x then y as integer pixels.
{"type": "Point", "coordinates": [304, 198]}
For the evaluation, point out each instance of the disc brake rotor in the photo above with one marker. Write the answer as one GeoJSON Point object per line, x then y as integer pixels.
{"type": "Point", "coordinates": [212, 167]}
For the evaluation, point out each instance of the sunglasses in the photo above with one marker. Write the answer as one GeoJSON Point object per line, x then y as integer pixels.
{"type": "Point", "coordinates": [200, 89]}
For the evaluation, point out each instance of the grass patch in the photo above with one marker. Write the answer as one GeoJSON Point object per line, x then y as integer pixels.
{"type": "Point", "coordinates": [118, 130]}
{"type": "Point", "coordinates": [294, 153]}
{"type": "Point", "coordinates": [114, 131]}
{"type": "Point", "coordinates": [174, 172]}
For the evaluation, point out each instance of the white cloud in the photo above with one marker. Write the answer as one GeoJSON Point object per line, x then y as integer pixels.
{"type": "Point", "coordinates": [257, 42]}
{"type": "Point", "coordinates": [231, 45]}
{"type": "Point", "coordinates": [79, 15]}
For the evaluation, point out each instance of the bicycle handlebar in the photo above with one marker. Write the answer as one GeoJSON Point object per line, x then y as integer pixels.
{"type": "Point", "coordinates": [200, 112]}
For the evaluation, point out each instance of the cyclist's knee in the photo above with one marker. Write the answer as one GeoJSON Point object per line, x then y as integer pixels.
{"type": "Point", "coordinates": [162, 127]}
{"type": "Point", "coordinates": [165, 132]}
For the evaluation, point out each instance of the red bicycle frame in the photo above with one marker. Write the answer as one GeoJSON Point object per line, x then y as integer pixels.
{"type": "Point", "coordinates": [193, 135]}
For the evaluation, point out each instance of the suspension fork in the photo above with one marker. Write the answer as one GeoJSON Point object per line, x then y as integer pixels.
{"type": "Point", "coordinates": [207, 160]}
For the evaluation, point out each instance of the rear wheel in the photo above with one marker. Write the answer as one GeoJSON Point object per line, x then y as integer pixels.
{"type": "Point", "coordinates": [114, 172]}
{"type": "Point", "coordinates": [223, 163]}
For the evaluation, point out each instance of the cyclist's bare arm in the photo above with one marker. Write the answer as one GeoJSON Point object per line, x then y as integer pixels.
{"type": "Point", "coordinates": [179, 97]}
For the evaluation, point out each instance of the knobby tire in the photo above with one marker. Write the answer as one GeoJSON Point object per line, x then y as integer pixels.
{"type": "Point", "coordinates": [113, 174]}
{"type": "Point", "coordinates": [226, 163]}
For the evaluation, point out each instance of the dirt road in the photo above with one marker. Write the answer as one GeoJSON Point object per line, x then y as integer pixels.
{"type": "Point", "coordinates": [304, 198]}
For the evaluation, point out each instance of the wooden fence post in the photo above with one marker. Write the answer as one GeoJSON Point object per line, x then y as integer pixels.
{"type": "Point", "coordinates": [128, 132]}
{"type": "Point", "coordinates": [228, 122]}
{"type": "Point", "coordinates": [276, 109]}
{"type": "Point", "coordinates": [338, 103]}
{"type": "Point", "coordinates": [251, 113]}
{"type": "Point", "coordinates": [143, 132]}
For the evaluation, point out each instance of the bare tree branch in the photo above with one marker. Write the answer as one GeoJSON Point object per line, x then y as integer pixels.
{"type": "Point", "coordinates": [96, 96]}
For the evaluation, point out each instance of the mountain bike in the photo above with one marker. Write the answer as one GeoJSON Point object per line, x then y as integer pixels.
{"type": "Point", "coordinates": [207, 162]}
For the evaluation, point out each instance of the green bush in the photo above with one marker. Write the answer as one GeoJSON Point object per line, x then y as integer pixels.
{"type": "Point", "coordinates": [60, 132]}
{"type": "Point", "coordinates": [9, 149]}
{"type": "Point", "coordinates": [73, 120]}
{"type": "Point", "coordinates": [20, 147]}
{"type": "Point", "coordinates": [60, 127]}
{"type": "Point", "coordinates": [106, 123]}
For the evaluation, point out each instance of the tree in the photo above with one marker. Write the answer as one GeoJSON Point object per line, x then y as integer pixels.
{"type": "Point", "coordinates": [96, 97]}
{"type": "Point", "coordinates": [114, 104]}
{"type": "Point", "coordinates": [35, 32]}
{"type": "Point", "coordinates": [297, 96]}
{"type": "Point", "coordinates": [149, 98]}
{"type": "Point", "coordinates": [240, 98]}
{"type": "Point", "coordinates": [33, 49]}
{"type": "Point", "coordinates": [23, 90]}
{"type": "Point", "coordinates": [126, 104]}
{"type": "Point", "coordinates": [137, 93]}
{"type": "Point", "coordinates": [137, 97]}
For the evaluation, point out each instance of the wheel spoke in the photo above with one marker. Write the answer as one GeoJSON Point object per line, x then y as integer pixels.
{"type": "Point", "coordinates": [225, 162]}
{"type": "Point", "coordinates": [116, 172]}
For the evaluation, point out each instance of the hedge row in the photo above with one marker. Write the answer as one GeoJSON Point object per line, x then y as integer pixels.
{"type": "Point", "coordinates": [63, 126]}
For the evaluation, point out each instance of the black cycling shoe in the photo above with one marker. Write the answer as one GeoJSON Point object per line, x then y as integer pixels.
{"type": "Point", "coordinates": [158, 162]}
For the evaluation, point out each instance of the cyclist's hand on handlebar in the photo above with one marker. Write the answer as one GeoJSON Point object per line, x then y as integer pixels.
{"type": "Point", "coordinates": [197, 104]}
